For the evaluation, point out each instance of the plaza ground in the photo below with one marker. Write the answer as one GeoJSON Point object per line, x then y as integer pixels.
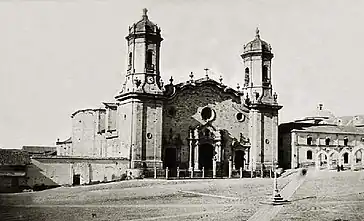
{"type": "Point", "coordinates": [324, 195]}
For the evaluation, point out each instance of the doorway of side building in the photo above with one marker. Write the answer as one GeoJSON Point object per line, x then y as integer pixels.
{"type": "Point", "coordinates": [76, 179]}
{"type": "Point", "coordinates": [170, 158]}
{"type": "Point", "coordinates": [205, 155]}
{"type": "Point", "coordinates": [346, 158]}
{"type": "Point", "coordinates": [239, 159]}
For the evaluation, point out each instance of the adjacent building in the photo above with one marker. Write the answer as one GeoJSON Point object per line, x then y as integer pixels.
{"type": "Point", "coordinates": [322, 140]}
{"type": "Point", "coordinates": [13, 168]}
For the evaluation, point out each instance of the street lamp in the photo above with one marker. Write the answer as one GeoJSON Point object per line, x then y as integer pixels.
{"type": "Point", "coordinates": [277, 198]}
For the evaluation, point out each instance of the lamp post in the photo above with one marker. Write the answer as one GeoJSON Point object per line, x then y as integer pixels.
{"type": "Point", "coordinates": [277, 198]}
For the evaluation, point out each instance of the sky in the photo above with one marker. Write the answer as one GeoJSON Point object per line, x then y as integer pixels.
{"type": "Point", "coordinates": [60, 56]}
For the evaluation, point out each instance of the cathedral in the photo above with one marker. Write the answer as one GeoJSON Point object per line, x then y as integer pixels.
{"type": "Point", "coordinates": [193, 125]}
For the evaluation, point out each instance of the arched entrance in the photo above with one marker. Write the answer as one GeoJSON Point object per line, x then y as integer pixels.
{"type": "Point", "coordinates": [205, 155]}
{"type": "Point", "coordinates": [346, 158]}
{"type": "Point", "coordinates": [239, 159]}
{"type": "Point", "coordinates": [322, 159]}
{"type": "Point", "coordinates": [358, 156]}
{"type": "Point", "coordinates": [334, 160]}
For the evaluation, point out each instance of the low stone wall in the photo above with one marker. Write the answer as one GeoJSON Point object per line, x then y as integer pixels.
{"type": "Point", "coordinates": [56, 171]}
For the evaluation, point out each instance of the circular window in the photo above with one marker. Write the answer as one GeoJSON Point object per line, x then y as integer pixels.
{"type": "Point", "coordinates": [240, 116]}
{"type": "Point", "coordinates": [149, 135]}
{"type": "Point", "coordinates": [207, 114]}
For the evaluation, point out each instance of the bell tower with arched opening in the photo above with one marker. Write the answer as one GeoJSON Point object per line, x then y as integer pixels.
{"type": "Point", "coordinates": [140, 109]}
{"type": "Point", "coordinates": [143, 54]}
{"type": "Point", "coordinates": [258, 93]}
{"type": "Point", "coordinates": [257, 59]}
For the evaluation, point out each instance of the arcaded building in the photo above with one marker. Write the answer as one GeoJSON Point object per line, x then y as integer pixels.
{"type": "Point", "coordinates": [191, 125]}
{"type": "Point", "coordinates": [322, 140]}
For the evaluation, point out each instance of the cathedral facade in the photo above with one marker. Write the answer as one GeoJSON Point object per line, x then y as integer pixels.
{"type": "Point", "coordinates": [193, 125]}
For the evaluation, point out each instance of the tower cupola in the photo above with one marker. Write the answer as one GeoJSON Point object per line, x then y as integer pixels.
{"type": "Point", "coordinates": [143, 55]}
{"type": "Point", "coordinates": [257, 57]}
{"type": "Point", "coordinates": [143, 27]}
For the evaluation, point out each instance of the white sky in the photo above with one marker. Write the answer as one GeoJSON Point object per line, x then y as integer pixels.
{"type": "Point", "coordinates": [59, 56]}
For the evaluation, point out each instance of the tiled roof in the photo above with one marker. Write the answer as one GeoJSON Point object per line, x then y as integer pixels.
{"type": "Point", "coordinates": [69, 140]}
{"type": "Point", "coordinates": [110, 105]}
{"type": "Point", "coordinates": [11, 157]}
{"type": "Point", "coordinates": [40, 150]}
{"type": "Point", "coordinates": [333, 129]}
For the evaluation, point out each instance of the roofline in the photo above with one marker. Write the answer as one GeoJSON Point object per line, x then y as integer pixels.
{"type": "Point", "coordinates": [87, 109]}
{"type": "Point", "coordinates": [200, 82]}
{"type": "Point", "coordinates": [77, 157]}
{"type": "Point", "coordinates": [326, 132]}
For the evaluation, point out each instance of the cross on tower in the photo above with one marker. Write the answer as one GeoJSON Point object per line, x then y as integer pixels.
{"type": "Point", "coordinates": [207, 75]}
{"type": "Point", "coordinates": [145, 11]}
{"type": "Point", "coordinates": [191, 76]}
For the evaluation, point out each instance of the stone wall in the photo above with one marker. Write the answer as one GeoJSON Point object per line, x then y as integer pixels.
{"type": "Point", "coordinates": [54, 171]}
{"type": "Point", "coordinates": [284, 149]}
{"type": "Point", "coordinates": [87, 136]}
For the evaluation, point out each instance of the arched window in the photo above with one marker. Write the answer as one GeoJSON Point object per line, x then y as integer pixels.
{"type": "Point", "coordinates": [130, 59]}
{"type": "Point", "coordinates": [309, 140]}
{"type": "Point", "coordinates": [246, 83]}
{"type": "Point", "coordinates": [358, 156]}
{"type": "Point", "coordinates": [346, 140]}
{"type": "Point", "coordinates": [150, 59]}
{"type": "Point", "coordinates": [309, 155]}
{"type": "Point", "coordinates": [327, 141]}
{"type": "Point", "coordinates": [265, 73]}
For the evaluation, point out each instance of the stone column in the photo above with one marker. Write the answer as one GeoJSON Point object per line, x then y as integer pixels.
{"type": "Point", "coordinates": [196, 148]}
{"type": "Point", "coordinates": [294, 152]}
{"type": "Point", "coordinates": [352, 158]}
{"type": "Point", "coordinates": [214, 167]}
{"type": "Point", "coordinates": [328, 162]}
{"type": "Point", "coordinates": [317, 164]}
{"type": "Point", "coordinates": [190, 142]}
{"type": "Point", "coordinates": [218, 146]}
{"type": "Point", "coordinates": [230, 166]}
{"type": "Point", "coordinates": [71, 174]}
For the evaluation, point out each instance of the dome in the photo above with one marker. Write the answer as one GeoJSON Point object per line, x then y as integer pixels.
{"type": "Point", "coordinates": [321, 114]}
{"type": "Point", "coordinates": [257, 45]}
{"type": "Point", "coordinates": [144, 25]}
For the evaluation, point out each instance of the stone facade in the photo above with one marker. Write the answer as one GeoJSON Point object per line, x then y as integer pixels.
{"type": "Point", "coordinates": [201, 123]}
{"type": "Point", "coordinates": [322, 140]}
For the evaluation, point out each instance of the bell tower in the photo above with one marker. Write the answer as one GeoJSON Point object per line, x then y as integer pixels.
{"type": "Point", "coordinates": [257, 59]}
{"type": "Point", "coordinates": [143, 54]}
{"type": "Point", "coordinates": [263, 105]}
{"type": "Point", "coordinates": [139, 114]}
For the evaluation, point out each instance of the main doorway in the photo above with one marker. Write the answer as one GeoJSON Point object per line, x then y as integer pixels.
{"type": "Point", "coordinates": [170, 158]}
{"type": "Point", "coordinates": [239, 159]}
{"type": "Point", "coordinates": [205, 155]}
